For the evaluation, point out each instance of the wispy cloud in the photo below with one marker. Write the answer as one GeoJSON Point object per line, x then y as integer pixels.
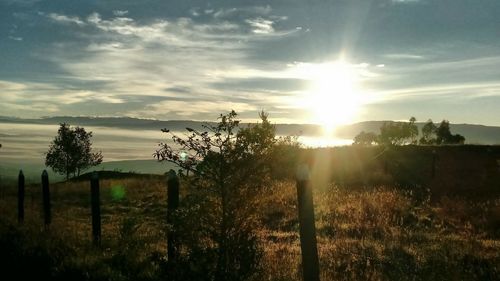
{"type": "Point", "coordinates": [261, 26]}
{"type": "Point", "coordinates": [454, 79]}
{"type": "Point", "coordinates": [458, 91]}
{"type": "Point", "coordinates": [15, 38]}
{"type": "Point", "coordinates": [130, 58]}
{"type": "Point", "coordinates": [209, 59]}
{"type": "Point", "coordinates": [402, 56]}
{"type": "Point", "coordinates": [405, 1]}
{"type": "Point", "coordinates": [169, 58]}
{"type": "Point", "coordinates": [253, 10]}
{"type": "Point", "coordinates": [120, 13]}
{"type": "Point", "coordinates": [66, 19]}
{"type": "Point", "coordinates": [191, 108]}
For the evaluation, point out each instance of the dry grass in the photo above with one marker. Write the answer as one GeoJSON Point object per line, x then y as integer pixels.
{"type": "Point", "coordinates": [363, 233]}
{"type": "Point", "coordinates": [386, 234]}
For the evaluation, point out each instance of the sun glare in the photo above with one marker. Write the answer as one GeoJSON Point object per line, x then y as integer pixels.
{"type": "Point", "coordinates": [334, 96]}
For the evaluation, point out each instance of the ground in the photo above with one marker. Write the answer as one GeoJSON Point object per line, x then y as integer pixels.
{"type": "Point", "coordinates": [364, 233]}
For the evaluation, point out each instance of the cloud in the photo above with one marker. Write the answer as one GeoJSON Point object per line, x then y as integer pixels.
{"type": "Point", "coordinates": [261, 26]}
{"type": "Point", "coordinates": [15, 38]}
{"type": "Point", "coordinates": [191, 109]}
{"type": "Point", "coordinates": [244, 11]}
{"type": "Point", "coordinates": [127, 26]}
{"type": "Point", "coordinates": [21, 2]}
{"type": "Point", "coordinates": [47, 97]}
{"type": "Point", "coordinates": [22, 97]}
{"type": "Point", "coordinates": [402, 56]}
{"type": "Point", "coordinates": [405, 1]}
{"type": "Point", "coordinates": [180, 61]}
{"type": "Point", "coordinates": [458, 91]}
{"type": "Point", "coordinates": [120, 13]}
{"type": "Point", "coordinates": [66, 19]}
{"type": "Point", "coordinates": [108, 61]}
{"type": "Point", "coordinates": [460, 79]}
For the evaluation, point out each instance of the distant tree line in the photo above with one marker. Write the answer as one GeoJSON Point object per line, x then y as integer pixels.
{"type": "Point", "coordinates": [401, 133]}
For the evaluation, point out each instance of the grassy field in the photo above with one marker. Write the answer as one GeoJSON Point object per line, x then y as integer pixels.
{"type": "Point", "coordinates": [364, 233]}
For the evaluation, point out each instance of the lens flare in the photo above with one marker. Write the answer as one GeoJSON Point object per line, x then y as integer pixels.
{"type": "Point", "coordinates": [117, 192]}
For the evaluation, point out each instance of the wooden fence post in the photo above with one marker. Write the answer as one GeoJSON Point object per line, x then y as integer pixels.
{"type": "Point", "coordinates": [172, 205]}
{"type": "Point", "coordinates": [96, 209]}
{"type": "Point", "coordinates": [20, 197]}
{"type": "Point", "coordinates": [308, 243]}
{"type": "Point", "coordinates": [46, 198]}
{"type": "Point", "coordinates": [433, 164]}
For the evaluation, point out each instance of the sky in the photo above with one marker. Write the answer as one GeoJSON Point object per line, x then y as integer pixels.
{"type": "Point", "coordinates": [301, 61]}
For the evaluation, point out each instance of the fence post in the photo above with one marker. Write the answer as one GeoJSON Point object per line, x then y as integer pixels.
{"type": "Point", "coordinates": [20, 197]}
{"type": "Point", "coordinates": [96, 209]}
{"type": "Point", "coordinates": [46, 198]}
{"type": "Point", "coordinates": [172, 205]}
{"type": "Point", "coordinates": [308, 243]}
{"type": "Point", "coordinates": [433, 164]}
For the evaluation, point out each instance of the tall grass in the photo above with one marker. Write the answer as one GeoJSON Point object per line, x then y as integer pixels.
{"type": "Point", "coordinates": [364, 233]}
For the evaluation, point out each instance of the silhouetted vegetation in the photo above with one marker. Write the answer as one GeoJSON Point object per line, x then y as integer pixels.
{"type": "Point", "coordinates": [444, 136]}
{"type": "Point", "coordinates": [229, 167]}
{"type": "Point", "coordinates": [71, 151]}
{"type": "Point", "coordinates": [401, 133]}
{"type": "Point", "coordinates": [365, 138]}
{"type": "Point", "coordinates": [398, 133]}
{"type": "Point", "coordinates": [428, 133]}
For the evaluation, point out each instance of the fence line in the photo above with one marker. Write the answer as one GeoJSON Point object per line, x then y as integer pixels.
{"type": "Point", "coordinates": [46, 199]}
{"type": "Point", "coordinates": [96, 209]}
{"type": "Point", "coordinates": [20, 197]}
{"type": "Point", "coordinates": [307, 228]}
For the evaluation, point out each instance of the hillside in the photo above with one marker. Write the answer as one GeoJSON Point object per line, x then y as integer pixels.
{"type": "Point", "coordinates": [475, 134]}
{"type": "Point", "coordinates": [32, 171]}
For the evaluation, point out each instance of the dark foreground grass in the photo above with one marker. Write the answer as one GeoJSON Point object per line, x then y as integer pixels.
{"type": "Point", "coordinates": [376, 233]}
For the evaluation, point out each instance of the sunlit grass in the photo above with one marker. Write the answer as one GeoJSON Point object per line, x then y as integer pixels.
{"type": "Point", "coordinates": [363, 233]}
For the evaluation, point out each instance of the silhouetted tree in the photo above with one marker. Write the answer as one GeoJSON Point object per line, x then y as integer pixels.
{"type": "Point", "coordinates": [229, 166]}
{"type": "Point", "coordinates": [443, 133]}
{"type": "Point", "coordinates": [412, 130]}
{"type": "Point", "coordinates": [398, 133]}
{"type": "Point", "coordinates": [444, 136]}
{"type": "Point", "coordinates": [428, 133]}
{"type": "Point", "coordinates": [365, 138]}
{"type": "Point", "coordinates": [71, 151]}
{"type": "Point", "coordinates": [284, 157]}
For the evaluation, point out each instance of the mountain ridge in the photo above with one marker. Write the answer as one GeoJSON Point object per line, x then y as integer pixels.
{"type": "Point", "coordinates": [474, 133]}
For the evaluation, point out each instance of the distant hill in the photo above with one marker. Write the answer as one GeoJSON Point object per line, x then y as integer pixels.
{"type": "Point", "coordinates": [474, 134]}
{"type": "Point", "coordinates": [32, 171]}
{"type": "Point", "coordinates": [116, 175]}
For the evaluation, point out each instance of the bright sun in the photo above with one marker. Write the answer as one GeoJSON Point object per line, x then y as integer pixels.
{"type": "Point", "coordinates": [334, 95]}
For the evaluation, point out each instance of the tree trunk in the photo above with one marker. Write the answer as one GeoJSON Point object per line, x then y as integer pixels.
{"type": "Point", "coordinates": [67, 167]}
